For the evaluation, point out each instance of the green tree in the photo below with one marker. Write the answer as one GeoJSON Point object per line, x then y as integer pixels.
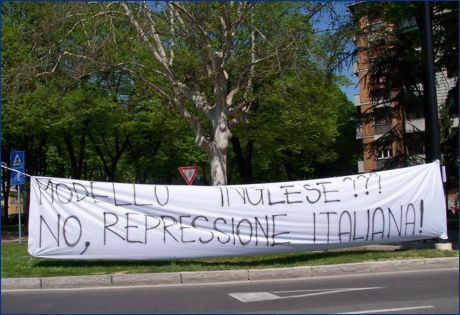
{"type": "Point", "coordinates": [297, 127]}
{"type": "Point", "coordinates": [93, 101]}
{"type": "Point", "coordinates": [23, 106]}
{"type": "Point", "coordinates": [81, 116]}
{"type": "Point", "coordinates": [205, 58]}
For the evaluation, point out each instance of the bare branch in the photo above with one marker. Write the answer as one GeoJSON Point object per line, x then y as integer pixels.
{"type": "Point", "coordinates": [204, 44]}
{"type": "Point", "coordinates": [172, 36]}
{"type": "Point", "coordinates": [155, 35]}
{"type": "Point", "coordinates": [59, 60]}
{"type": "Point", "coordinates": [200, 137]}
{"type": "Point", "coordinates": [197, 97]}
{"type": "Point", "coordinates": [232, 94]}
{"type": "Point", "coordinates": [141, 33]}
{"type": "Point", "coordinates": [81, 21]}
{"type": "Point", "coordinates": [230, 28]}
{"type": "Point", "coordinates": [114, 38]}
{"type": "Point", "coordinates": [176, 15]}
{"type": "Point", "coordinates": [203, 33]}
{"type": "Point", "coordinates": [154, 86]}
{"type": "Point", "coordinates": [253, 59]}
{"type": "Point", "coordinates": [158, 50]}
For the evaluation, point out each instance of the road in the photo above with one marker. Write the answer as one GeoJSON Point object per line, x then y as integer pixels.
{"type": "Point", "coordinates": [430, 291]}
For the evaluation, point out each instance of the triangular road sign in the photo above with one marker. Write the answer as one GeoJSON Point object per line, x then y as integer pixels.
{"type": "Point", "coordinates": [189, 173]}
{"type": "Point", "coordinates": [17, 160]}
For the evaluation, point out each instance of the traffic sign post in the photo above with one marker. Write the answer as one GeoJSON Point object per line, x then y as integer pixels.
{"type": "Point", "coordinates": [17, 164]}
{"type": "Point", "coordinates": [189, 173]}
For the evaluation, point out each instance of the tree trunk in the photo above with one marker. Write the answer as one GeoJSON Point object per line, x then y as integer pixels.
{"type": "Point", "coordinates": [217, 152]}
{"type": "Point", "coordinates": [6, 193]}
{"type": "Point", "coordinates": [244, 160]}
{"type": "Point", "coordinates": [218, 163]}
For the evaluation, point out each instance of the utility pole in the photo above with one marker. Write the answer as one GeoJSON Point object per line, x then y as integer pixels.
{"type": "Point", "coordinates": [433, 143]}
{"type": "Point", "coordinates": [433, 140]}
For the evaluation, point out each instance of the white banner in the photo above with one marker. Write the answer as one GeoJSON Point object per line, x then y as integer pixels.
{"type": "Point", "coordinates": [99, 220]}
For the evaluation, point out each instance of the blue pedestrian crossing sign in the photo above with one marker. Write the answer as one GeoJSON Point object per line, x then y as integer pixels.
{"type": "Point", "coordinates": [17, 162]}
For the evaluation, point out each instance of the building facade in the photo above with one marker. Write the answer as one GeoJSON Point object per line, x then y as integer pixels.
{"type": "Point", "coordinates": [387, 136]}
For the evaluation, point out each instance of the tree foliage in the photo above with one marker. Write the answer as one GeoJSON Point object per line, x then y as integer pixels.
{"type": "Point", "coordinates": [86, 97]}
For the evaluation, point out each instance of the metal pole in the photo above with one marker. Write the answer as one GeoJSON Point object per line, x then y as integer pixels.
{"type": "Point", "coordinates": [433, 151]}
{"type": "Point", "coordinates": [433, 139]}
{"type": "Point", "coordinates": [19, 211]}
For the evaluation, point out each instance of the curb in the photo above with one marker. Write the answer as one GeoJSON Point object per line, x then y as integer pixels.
{"type": "Point", "coordinates": [174, 278]}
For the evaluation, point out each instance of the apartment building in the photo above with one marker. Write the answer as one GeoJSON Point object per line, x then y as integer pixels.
{"type": "Point", "coordinates": [381, 103]}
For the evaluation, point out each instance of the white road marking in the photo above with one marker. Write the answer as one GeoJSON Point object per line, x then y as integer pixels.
{"type": "Point", "coordinates": [254, 296]}
{"type": "Point", "coordinates": [386, 310]}
{"type": "Point", "coordinates": [246, 297]}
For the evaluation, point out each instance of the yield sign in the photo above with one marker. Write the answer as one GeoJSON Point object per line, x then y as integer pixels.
{"type": "Point", "coordinates": [189, 173]}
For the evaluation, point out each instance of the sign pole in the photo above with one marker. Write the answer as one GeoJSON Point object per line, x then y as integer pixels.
{"type": "Point", "coordinates": [17, 178]}
{"type": "Point", "coordinates": [19, 212]}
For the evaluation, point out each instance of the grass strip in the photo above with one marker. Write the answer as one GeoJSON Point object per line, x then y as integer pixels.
{"type": "Point", "coordinates": [17, 263]}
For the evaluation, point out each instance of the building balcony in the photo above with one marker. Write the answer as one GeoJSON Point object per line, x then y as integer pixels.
{"type": "Point", "coordinates": [355, 69]}
{"type": "Point", "coordinates": [408, 24]}
{"type": "Point", "coordinates": [420, 157]}
{"type": "Point", "coordinates": [382, 129]}
{"type": "Point", "coordinates": [379, 102]}
{"type": "Point", "coordinates": [357, 100]}
{"type": "Point", "coordinates": [380, 164]}
{"type": "Point", "coordinates": [415, 125]}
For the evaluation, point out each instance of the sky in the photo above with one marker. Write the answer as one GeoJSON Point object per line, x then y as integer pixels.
{"type": "Point", "coordinates": [324, 23]}
{"type": "Point", "coordinates": [352, 89]}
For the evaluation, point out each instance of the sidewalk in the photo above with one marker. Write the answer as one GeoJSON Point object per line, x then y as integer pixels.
{"type": "Point", "coordinates": [183, 278]}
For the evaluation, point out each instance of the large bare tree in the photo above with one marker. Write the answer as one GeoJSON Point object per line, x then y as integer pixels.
{"type": "Point", "coordinates": [218, 31]}
{"type": "Point", "coordinates": [228, 46]}
{"type": "Point", "coordinates": [212, 30]}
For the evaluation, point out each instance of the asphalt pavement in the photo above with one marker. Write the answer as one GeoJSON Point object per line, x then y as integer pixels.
{"type": "Point", "coordinates": [403, 292]}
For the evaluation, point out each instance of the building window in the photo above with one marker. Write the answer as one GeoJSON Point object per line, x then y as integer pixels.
{"type": "Point", "coordinates": [382, 120]}
{"type": "Point", "coordinates": [379, 96]}
{"type": "Point", "coordinates": [375, 39]}
{"type": "Point", "coordinates": [375, 15]}
{"type": "Point", "coordinates": [413, 105]}
{"type": "Point", "coordinates": [407, 24]}
{"type": "Point", "coordinates": [452, 105]}
{"type": "Point", "coordinates": [386, 153]}
{"type": "Point", "coordinates": [381, 129]}
{"type": "Point", "coordinates": [414, 112]}
{"type": "Point", "coordinates": [416, 143]}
